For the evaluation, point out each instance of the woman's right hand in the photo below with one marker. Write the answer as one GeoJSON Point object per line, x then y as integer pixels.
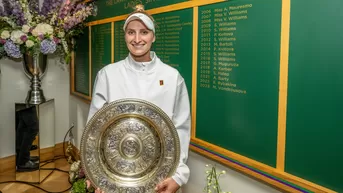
{"type": "Point", "coordinates": [89, 185]}
{"type": "Point", "coordinates": [98, 191]}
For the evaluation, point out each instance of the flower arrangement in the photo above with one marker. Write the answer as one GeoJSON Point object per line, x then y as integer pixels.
{"type": "Point", "coordinates": [26, 28]}
{"type": "Point", "coordinates": [212, 180]}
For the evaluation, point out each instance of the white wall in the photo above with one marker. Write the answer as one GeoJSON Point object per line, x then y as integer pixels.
{"type": "Point", "coordinates": [232, 181]}
{"type": "Point", "coordinates": [78, 116]}
{"type": "Point", "coordinates": [13, 88]}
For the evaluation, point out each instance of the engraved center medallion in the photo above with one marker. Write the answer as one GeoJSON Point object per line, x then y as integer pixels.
{"type": "Point", "coordinates": [131, 146]}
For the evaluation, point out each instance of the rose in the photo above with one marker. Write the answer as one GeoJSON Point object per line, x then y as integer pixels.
{"type": "Point", "coordinates": [25, 28]}
{"type": "Point", "coordinates": [23, 38]}
{"type": "Point", "coordinates": [42, 29]}
{"type": "Point", "coordinates": [16, 36]}
{"type": "Point", "coordinates": [5, 34]}
{"type": "Point", "coordinates": [29, 43]}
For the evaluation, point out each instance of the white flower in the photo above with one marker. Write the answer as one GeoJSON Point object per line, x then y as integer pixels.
{"type": "Point", "coordinates": [72, 176]}
{"type": "Point", "coordinates": [29, 43]}
{"type": "Point", "coordinates": [26, 28]}
{"type": "Point", "coordinates": [16, 35]}
{"type": "Point", "coordinates": [75, 166]}
{"type": "Point", "coordinates": [42, 29]}
{"type": "Point", "coordinates": [5, 34]}
{"type": "Point", "coordinates": [61, 34]}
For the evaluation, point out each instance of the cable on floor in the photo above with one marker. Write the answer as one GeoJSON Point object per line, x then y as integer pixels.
{"type": "Point", "coordinates": [30, 184]}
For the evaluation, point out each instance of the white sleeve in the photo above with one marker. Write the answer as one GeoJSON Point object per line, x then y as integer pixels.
{"type": "Point", "coordinates": [99, 96]}
{"type": "Point", "coordinates": [182, 122]}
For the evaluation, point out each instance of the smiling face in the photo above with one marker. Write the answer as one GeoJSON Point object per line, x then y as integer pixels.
{"type": "Point", "coordinates": [139, 40]}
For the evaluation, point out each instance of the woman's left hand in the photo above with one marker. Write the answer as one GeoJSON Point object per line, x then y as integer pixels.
{"type": "Point", "coordinates": [167, 186]}
{"type": "Point", "coordinates": [89, 185]}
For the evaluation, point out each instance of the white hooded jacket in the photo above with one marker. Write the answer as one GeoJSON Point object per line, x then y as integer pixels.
{"type": "Point", "coordinates": [152, 81]}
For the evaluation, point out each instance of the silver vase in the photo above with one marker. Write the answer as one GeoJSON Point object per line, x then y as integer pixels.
{"type": "Point", "coordinates": [35, 68]}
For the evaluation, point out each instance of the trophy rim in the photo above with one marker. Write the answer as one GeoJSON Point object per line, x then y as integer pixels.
{"type": "Point", "coordinates": [121, 183]}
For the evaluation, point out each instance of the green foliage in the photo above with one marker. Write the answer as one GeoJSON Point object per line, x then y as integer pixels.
{"type": "Point", "coordinates": [4, 25]}
{"type": "Point", "coordinates": [2, 52]}
{"type": "Point", "coordinates": [79, 186]}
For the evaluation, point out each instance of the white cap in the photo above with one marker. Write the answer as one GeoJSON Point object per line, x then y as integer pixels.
{"type": "Point", "coordinates": [144, 18]}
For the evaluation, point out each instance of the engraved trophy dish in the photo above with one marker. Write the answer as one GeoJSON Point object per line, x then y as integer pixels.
{"type": "Point", "coordinates": [35, 67]}
{"type": "Point", "coordinates": [129, 145]}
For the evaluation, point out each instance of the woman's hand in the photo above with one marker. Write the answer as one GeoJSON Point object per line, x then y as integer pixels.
{"type": "Point", "coordinates": [167, 186]}
{"type": "Point", "coordinates": [89, 185]}
{"type": "Point", "coordinates": [98, 191]}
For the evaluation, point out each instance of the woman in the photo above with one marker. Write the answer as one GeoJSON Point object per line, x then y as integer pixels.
{"type": "Point", "coordinates": [143, 75]}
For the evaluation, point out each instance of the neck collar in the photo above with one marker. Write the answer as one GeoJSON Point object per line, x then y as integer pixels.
{"type": "Point", "coordinates": [142, 66]}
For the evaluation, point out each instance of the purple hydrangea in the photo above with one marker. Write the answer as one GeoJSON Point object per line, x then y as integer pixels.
{"type": "Point", "coordinates": [47, 46]}
{"type": "Point", "coordinates": [12, 50]}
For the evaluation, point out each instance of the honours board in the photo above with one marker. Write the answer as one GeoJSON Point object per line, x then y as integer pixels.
{"type": "Point", "coordinates": [174, 41]}
{"type": "Point", "coordinates": [81, 64]}
{"type": "Point", "coordinates": [315, 93]}
{"type": "Point", "coordinates": [101, 48]}
{"type": "Point", "coordinates": [120, 48]}
{"type": "Point", "coordinates": [238, 72]}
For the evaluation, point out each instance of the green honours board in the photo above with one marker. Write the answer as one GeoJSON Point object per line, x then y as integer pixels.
{"type": "Point", "coordinates": [315, 93]}
{"type": "Point", "coordinates": [101, 47]}
{"type": "Point", "coordinates": [120, 48]}
{"type": "Point", "coordinates": [81, 67]}
{"type": "Point", "coordinates": [174, 43]}
{"type": "Point", "coordinates": [111, 8]}
{"type": "Point", "coordinates": [238, 72]}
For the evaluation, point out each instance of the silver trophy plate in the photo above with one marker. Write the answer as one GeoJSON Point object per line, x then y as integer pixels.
{"type": "Point", "coordinates": [129, 146]}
